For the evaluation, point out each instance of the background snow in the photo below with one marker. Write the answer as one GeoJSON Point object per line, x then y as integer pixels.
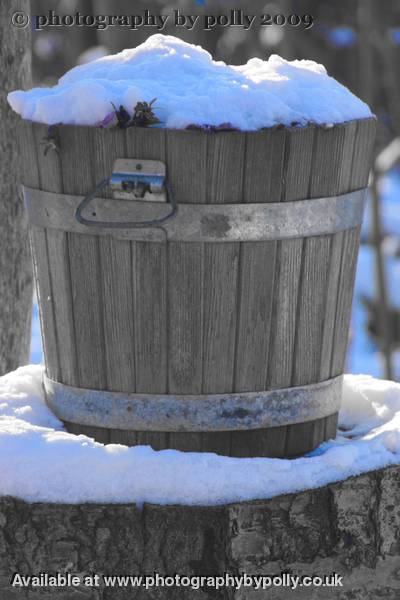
{"type": "Point", "coordinates": [192, 89]}
{"type": "Point", "coordinates": [39, 461]}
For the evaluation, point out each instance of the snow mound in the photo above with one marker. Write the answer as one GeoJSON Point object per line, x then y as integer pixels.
{"type": "Point", "coordinates": [192, 89]}
{"type": "Point", "coordinates": [40, 462]}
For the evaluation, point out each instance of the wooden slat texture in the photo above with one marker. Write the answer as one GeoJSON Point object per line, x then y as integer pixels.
{"type": "Point", "coordinates": [225, 164]}
{"type": "Point", "coordinates": [58, 271]}
{"type": "Point", "coordinates": [362, 153]}
{"type": "Point", "coordinates": [304, 437]}
{"type": "Point", "coordinates": [225, 169]}
{"type": "Point", "coordinates": [346, 179]}
{"type": "Point", "coordinates": [116, 289]}
{"type": "Point", "coordinates": [336, 246]}
{"type": "Point", "coordinates": [45, 300]}
{"type": "Point", "coordinates": [186, 158]}
{"type": "Point", "coordinates": [257, 266]}
{"type": "Point", "coordinates": [264, 166]}
{"type": "Point", "coordinates": [143, 264]}
{"type": "Point", "coordinates": [331, 424]}
{"type": "Point", "coordinates": [344, 300]}
{"type": "Point", "coordinates": [31, 155]}
{"type": "Point", "coordinates": [98, 433]}
{"type": "Point", "coordinates": [149, 280]}
{"type": "Point", "coordinates": [118, 316]}
{"type": "Point", "coordinates": [157, 440]}
{"type": "Point", "coordinates": [325, 175]}
{"type": "Point", "coordinates": [187, 168]}
{"type": "Point", "coordinates": [260, 442]}
{"type": "Point", "coordinates": [187, 164]}
{"type": "Point", "coordinates": [311, 310]}
{"type": "Point", "coordinates": [59, 263]}
{"type": "Point", "coordinates": [185, 271]}
{"type": "Point", "coordinates": [219, 298]}
{"type": "Point", "coordinates": [343, 184]}
{"type": "Point", "coordinates": [217, 442]}
{"type": "Point", "coordinates": [282, 339]}
{"type": "Point", "coordinates": [150, 301]}
{"type": "Point", "coordinates": [358, 178]}
{"type": "Point", "coordinates": [51, 181]}
{"type": "Point", "coordinates": [77, 150]}
{"type": "Point", "coordinates": [330, 170]}
{"type": "Point", "coordinates": [298, 151]}
{"type": "Point", "coordinates": [262, 183]}
{"type": "Point", "coordinates": [225, 160]}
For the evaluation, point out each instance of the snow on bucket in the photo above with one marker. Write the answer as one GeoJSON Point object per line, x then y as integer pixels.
{"type": "Point", "coordinates": [195, 252]}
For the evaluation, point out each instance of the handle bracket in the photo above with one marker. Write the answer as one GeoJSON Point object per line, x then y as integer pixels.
{"type": "Point", "coordinates": [138, 180]}
{"type": "Point", "coordinates": [132, 179]}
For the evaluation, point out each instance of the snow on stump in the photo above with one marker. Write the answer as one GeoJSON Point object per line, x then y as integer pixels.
{"type": "Point", "coordinates": [71, 505]}
{"type": "Point", "coordinates": [195, 284]}
{"type": "Point", "coordinates": [351, 528]}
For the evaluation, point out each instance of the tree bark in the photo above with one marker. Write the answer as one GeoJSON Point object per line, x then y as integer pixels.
{"type": "Point", "coordinates": [15, 262]}
{"type": "Point", "coordinates": [351, 528]}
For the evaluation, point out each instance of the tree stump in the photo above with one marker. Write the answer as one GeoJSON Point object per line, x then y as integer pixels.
{"type": "Point", "coordinates": [351, 528]}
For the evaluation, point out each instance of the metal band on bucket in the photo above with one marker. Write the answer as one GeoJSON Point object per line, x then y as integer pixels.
{"type": "Point", "coordinates": [210, 412]}
{"type": "Point", "coordinates": [199, 222]}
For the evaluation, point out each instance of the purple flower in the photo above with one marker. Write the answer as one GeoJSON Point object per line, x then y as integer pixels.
{"type": "Point", "coordinates": [109, 120]}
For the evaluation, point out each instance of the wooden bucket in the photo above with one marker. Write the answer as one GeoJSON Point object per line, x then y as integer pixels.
{"type": "Point", "coordinates": [223, 330]}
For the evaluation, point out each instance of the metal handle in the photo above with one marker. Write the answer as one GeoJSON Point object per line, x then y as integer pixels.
{"type": "Point", "coordinates": [129, 178]}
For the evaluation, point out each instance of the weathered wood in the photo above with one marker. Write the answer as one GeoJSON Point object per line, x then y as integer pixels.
{"type": "Point", "coordinates": [100, 434]}
{"type": "Point", "coordinates": [77, 151]}
{"type": "Point", "coordinates": [219, 297]}
{"type": "Point", "coordinates": [336, 246]}
{"type": "Point", "coordinates": [298, 147]}
{"type": "Point", "coordinates": [358, 177]}
{"type": "Point", "coordinates": [195, 318]}
{"type": "Point", "coordinates": [187, 171]}
{"type": "Point", "coordinates": [331, 424]}
{"type": "Point", "coordinates": [185, 268]}
{"type": "Point", "coordinates": [225, 164]}
{"type": "Point", "coordinates": [58, 322]}
{"type": "Point", "coordinates": [60, 274]}
{"type": "Point", "coordinates": [257, 271]}
{"type": "Point", "coordinates": [185, 274]}
{"type": "Point", "coordinates": [275, 442]}
{"type": "Point", "coordinates": [287, 277]}
{"type": "Point", "coordinates": [150, 291]}
{"type": "Point", "coordinates": [85, 276]}
{"type": "Point", "coordinates": [47, 288]}
{"type": "Point", "coordinates": [344, 182]}
{"type": "Point", "coordinates": [224, 175]}
{"type": "Point", "coordinates": [257, 266]}
{"type": "Point", "coordinates": [45, 300]}
{"type": "Point", "coordinates": [328, 156]}
{"type": "Point", "coordinates": [260, 442]}
{"type": "Point", "coordinates": [116, 289]}
{"type": "Point", "coordinates": [298, 151]}
{"type": "Point", "coordinates": [361, 166]}
{"type": "Point", "coordinates": [347, 275]}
